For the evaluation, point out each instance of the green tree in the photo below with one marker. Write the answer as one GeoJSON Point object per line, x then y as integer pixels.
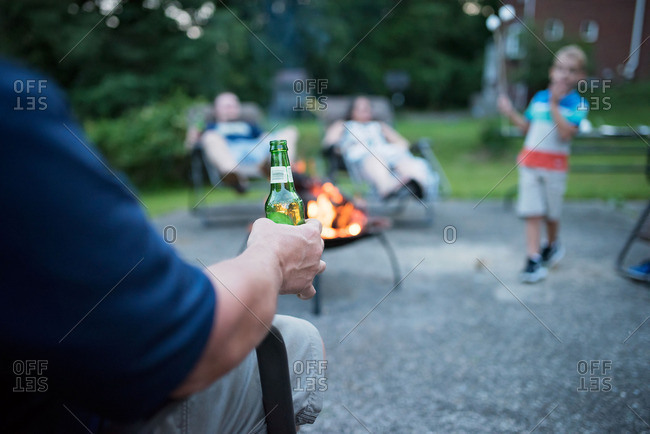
{"type": "Point", "coordinates": [435, 42]}
{"type": "Point", "coordinates": [114, 59]}
{"type": "Point", "coordinates": [114, 56]}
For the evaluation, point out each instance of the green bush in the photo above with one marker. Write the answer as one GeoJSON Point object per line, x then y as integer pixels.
{"type": "Point", "coordinates": [146, 143]}
{"type": "Point", "coordinates": [492, 139]}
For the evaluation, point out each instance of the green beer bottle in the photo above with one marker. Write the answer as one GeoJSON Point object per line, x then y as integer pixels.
{"type": "Point", "coordinates": [283, 205]}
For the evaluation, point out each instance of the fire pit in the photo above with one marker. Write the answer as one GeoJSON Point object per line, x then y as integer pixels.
{"type": "Point", "coordinates": [373, 227]}
{"type": "Point", "coordinates": [343, 224]}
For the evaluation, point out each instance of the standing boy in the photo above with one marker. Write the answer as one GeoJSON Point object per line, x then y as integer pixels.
{"type": "Point", "coordinates": [550, 122]}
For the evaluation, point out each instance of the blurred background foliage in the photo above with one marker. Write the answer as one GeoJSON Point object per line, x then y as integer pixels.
{"type": "Point", "coordinates": [533, 71]}
{"type": "Point", "coordinates": [133, 68]}
{"type": "Point", "coordinates": [146, 142]}
{"type": "Point", "coordinates": [112, 56]}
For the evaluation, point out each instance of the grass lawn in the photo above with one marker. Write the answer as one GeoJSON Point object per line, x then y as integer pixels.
{"type": "Point", "coordinates": [164, 200]}
{"type": "Point", "coordinates": [472, 170]}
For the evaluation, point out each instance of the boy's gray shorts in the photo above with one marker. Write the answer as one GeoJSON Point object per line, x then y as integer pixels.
{"type": "Point", "coordinates": [233, 404]}
{"type": "Point", "coordinates": [541, 193]}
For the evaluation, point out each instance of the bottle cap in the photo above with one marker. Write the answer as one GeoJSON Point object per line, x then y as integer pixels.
{"type": "Point", "coordinates": [279, 145]}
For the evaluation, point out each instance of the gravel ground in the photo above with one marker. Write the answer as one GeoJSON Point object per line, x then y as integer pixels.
{"type": "Point", "coordinates": [462, 346]}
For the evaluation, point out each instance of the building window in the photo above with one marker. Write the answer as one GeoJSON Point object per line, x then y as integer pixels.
{"type": "Point", "coordinates": [589, 30]}
{"type": "Point", "coordinates": [514, 45]}
{"type": "Point", "coordinates": [553, 29]}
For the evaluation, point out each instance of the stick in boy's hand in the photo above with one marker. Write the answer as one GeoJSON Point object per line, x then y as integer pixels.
{"type": "Point", "coordinates": [504, 104]}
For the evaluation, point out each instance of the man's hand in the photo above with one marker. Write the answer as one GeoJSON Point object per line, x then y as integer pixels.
{"type": "Point", "coordinates": [279, 259]}
{"type": "Point", "coordinates": [298, 250]}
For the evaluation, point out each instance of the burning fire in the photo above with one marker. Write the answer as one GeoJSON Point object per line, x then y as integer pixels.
{"type": "Point", "coordinates": [339, 217]}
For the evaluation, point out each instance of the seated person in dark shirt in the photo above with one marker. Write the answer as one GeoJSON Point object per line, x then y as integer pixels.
{"type": "Point", "coordinates": [103, 324]}
{"type": "Point", "coordinates": [239, 149]}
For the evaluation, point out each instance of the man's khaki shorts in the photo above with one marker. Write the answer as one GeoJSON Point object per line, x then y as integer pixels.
{"type": "Point", "coordinates": [233, 403]}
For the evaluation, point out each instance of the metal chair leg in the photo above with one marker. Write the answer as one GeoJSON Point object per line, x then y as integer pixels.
{"type": "Point", "coordinates": [392, 257]}
{"type": "Point", "coordinates": [630, 240]}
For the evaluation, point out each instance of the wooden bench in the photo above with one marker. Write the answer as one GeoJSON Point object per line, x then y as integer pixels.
{"type": "Point", "coordinates": [612, 141]}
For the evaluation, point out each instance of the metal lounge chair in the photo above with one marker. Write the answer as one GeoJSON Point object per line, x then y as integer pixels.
{"type": "Point", "coordinates": [202, 173]}
{"type": "Point", "coordinates": [640, 232]}
{"type": "Point", "coordinates": [336, 162]}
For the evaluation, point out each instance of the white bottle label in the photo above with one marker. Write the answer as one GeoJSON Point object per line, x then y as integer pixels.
{"type": "Point", "coordinates": [279, 174]}
{"type": "Point", "coordinates": [289, 174]}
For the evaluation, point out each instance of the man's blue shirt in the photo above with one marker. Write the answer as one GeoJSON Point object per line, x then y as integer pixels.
{"type": "Point", "coordinates": [88, 285]}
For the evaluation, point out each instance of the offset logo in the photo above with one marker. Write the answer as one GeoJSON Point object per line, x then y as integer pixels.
{"type": "Point", "coordinates": [310, 375]}
{"type": "Point", "coordinates": [30, 375]}
{"type": "Point", "coordinates": [309, 94]}
{"type": "Point", "coordinates": [29, 95]}
{"type": "Point", "coordinates": [594, 91]}
{"type": "Point", "coordinates": [595, 375]}
{"type": "Point", "coordinates": [169, 234]}
{"type": "Point", "coordinates": [449, 234]}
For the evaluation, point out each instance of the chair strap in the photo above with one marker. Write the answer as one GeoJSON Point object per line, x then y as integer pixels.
{"type": "Point", "coordinates": [276, 384]}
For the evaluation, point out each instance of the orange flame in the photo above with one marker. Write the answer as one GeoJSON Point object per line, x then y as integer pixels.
{"type": "Point", "coordinates": [299, 166]}
{"type": "Point", "coordinates": [339, 217]}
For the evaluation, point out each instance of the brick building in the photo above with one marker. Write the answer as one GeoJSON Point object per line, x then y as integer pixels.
{"type": "Point", "coordinates": [618, 32]}
{"type": "Point", "coordinates": [618, 29]}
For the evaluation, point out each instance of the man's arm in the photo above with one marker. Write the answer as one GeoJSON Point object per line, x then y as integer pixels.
{"type": "Point", "coordinates": [280, 259]}
{"type": "Point", "coordinates": [122, 321]}
{"type": "Point", "coordinates": [505, 107]}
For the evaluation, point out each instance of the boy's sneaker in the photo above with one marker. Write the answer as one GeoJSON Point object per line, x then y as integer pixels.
{"type": "Point", "coordinates": [640, 271]}
{"type": "Point", "coordinates": [552, 254]}
{"type": "Point", "coordinates": [533, 272]}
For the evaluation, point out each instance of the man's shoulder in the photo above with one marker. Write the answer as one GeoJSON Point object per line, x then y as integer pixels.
{"type": "Point", "coordinates": [28, 94]}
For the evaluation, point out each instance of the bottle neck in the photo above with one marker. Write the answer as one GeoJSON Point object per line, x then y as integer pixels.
{"type": "Point", "coordinates": [281, 176]}
{"type": "Point", "coordinates": [280, 157]}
